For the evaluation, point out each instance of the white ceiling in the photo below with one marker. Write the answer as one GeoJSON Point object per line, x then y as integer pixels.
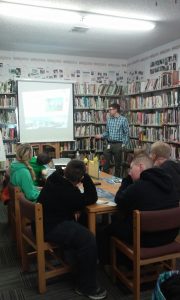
{"type": "Point", "coordinates": [23, 35]}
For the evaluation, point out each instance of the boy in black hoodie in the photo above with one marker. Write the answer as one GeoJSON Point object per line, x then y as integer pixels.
{"type": "Point", "coordinates": [60, 199]}
{"type": "Point", "coordinates": [145, 188]}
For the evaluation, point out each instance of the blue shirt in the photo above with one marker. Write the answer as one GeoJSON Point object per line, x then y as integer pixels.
{"type": "Point", "coordinates": [117, 129]}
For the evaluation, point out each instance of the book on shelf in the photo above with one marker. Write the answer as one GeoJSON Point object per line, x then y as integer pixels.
{"type": "Point", "coordinates": [166, 79]}
{"type": "Point", "coordinates": [175, 77]}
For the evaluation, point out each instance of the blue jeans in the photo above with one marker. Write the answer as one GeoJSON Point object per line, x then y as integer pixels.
{"type": "Point", "coordinates": [77, 239]}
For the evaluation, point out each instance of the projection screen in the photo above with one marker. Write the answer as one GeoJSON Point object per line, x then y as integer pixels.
{"type": "Point", "coordinates": [45, 111]}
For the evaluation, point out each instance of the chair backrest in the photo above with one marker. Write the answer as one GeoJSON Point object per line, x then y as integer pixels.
{"type": "Point", "coordinates": [31, 212]}
{"type": "Point", "coordinates": [13, 193]}
{"type": "Point", "coordinates": [27, 208]}
{"type": "Point", "coordinates": [160, 220]}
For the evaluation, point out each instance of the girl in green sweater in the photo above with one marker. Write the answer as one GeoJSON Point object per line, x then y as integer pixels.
{"type": "Point", "coordinates": [22, 174]}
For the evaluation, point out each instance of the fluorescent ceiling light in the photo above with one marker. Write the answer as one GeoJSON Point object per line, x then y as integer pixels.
{"type": "Point", "coordinates": [40, 14]}
{"type": "Point", "coordinates": [53, 15]}
{"type": "Point", "coordinates": [117, 23]}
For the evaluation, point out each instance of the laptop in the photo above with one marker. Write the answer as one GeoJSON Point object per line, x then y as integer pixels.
{"type": "Point", "coordinates": [61, 162]}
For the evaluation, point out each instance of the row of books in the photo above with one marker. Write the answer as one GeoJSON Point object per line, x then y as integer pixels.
{"type": "Point", "coordinates": [90, 116]}
{"type": "Point", "coordinates": [85, 144]}
{"type": "Point", "coordinates": [88, 130]}
{"type": "Point", "coordinates": [95, 89]}
{"type": "Point", "coordinates": [6, 101]}
{"type": "Point", "coordinates": [155, 134]}
{"type": "Point", "coordinates": [97, 102]}
{"type": "Point", "coordinates": [100, 129]}
{"type": "Point", "coordinates": [85, 89]}
{"type": "Point", "coordinates": [86, 102]}
{"type": "Point", "coordinates": [82, 144]}
{"type": "Point", "coordinates": [157, 101]}
{"type": "Point", "coordinates": [7, 117]}
{"type": "Point", "coordinates": [164, 80]}
{"type": "Point", "coordinates": [67, 146]}
{"type": "Point", "coordinates": [110, 89]}
{"type": "Point", "coordinates": [100, 116]}
{"type": "Point", "coordinates": [9, 133]}
{"type": "Point", "coordinates": [84, 130]}
{"type": "Point", "coordinates": [10, 148]}
{"type": "Point", "coordinates": [84, 116]}
{"type": "Point", "coordinates": [158, 118]}
{"type": "Point", "coordinates": [175, 152]}
{"type": "Point", "coordinates": [8, 86]}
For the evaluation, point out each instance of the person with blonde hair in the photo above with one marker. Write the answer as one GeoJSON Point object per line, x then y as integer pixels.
{"type": "Point", "coordinates": [160, 154]}
{"type": "Point", "coordinates": [22, 174]}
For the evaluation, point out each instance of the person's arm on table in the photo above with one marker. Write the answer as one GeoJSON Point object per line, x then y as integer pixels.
{"type": "Point", "coordinates": [126, 195]}
{"type": "Point", "coordinates": [89, 195]}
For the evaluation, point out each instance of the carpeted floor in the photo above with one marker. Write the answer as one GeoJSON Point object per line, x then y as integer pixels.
{"type": "Point", "coordinates": [14, 285]}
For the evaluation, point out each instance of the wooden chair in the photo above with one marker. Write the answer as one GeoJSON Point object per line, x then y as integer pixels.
{"type": "Point", "coordinates": [32, 212]}
{"type": "Point", "coordinates": [14, 191]}
{"type": "Point", "coordinates": [147, 221]}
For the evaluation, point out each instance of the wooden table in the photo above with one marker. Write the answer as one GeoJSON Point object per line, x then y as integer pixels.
{"type": "Point", "coordinates": [99, 209]}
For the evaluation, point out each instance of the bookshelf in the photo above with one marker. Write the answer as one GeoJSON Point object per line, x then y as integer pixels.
{"type": "Point", "coordinates": [91, 102]}
{"type": "Point", "coordinates": [53, 149]}
{"type": "Point", "coordinates": [154, 115]}
{"type": "Point", "coordinates": [8, 122]}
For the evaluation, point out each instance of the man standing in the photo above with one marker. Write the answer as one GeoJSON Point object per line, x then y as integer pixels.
{"type": "Point", "coordinates": [117, 136]}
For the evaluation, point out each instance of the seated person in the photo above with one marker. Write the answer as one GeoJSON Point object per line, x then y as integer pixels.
{"type": "Point", "coordinates": [160, 154]}
{"type": "Point", "coordinates": [22, 174]}
{"type": "Point", "coordinates": [167, 286]}
{"type": "Point", "coordinates": [38, 164]}
{"type": "Point", "coordinates": [60, 199]}
{"type": "Point", "coordinates": [144, 189]}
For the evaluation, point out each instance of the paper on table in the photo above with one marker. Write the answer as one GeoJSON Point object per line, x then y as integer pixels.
{"type": "Point", "coordinates": [102, 201]}
{"type": "Point", "coordinates": [104, 194]}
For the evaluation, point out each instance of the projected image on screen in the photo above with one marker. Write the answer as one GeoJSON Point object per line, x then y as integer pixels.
{"type": "Point", "coordinates": [54, 107]}
{"type": "Point", "coordinates": [45, 111]}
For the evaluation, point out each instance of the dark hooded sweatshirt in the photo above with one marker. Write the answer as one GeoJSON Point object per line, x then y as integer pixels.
{"type": "Point", "coordinates": [61, 199]}
{"type": "Point", "coordinates": [173, 169]}
{"type": "Point", "coordinates": [153, 191]}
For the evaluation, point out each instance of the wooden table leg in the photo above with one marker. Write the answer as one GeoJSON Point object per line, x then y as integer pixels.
{"type": "Point", "coordinates": [92, 222]}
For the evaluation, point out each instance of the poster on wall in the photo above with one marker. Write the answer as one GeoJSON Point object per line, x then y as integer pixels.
{"type": "Point", "coordinates": [168, 63]}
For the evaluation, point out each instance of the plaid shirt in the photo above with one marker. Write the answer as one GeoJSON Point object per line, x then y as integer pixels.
{"type": "Point", "coordinates": [117, 129]}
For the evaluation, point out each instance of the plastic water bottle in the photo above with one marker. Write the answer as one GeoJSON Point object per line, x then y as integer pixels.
{"type": "Point", "coordinates": [77, 155]}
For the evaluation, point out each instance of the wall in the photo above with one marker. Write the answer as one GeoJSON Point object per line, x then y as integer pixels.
{"type": "Point", "coordinates": [14, 65]}
{"type": "Point", "coordinates": [152, 63]}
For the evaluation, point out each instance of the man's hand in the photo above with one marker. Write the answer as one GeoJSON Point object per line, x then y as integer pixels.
{"type": "Point", "coordinates": [98, 136]}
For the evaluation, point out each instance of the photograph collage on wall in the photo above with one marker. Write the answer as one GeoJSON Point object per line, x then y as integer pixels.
{"type": "Point", "coordinates": [136, 75]}
{"type": "Point", "coordinates": [101, 75]}
{"type": "Point", "coordinates": [168, 63]}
